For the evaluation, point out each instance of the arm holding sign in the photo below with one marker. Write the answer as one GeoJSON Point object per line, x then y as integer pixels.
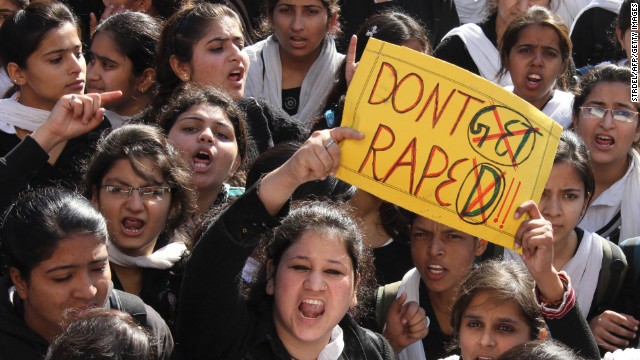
{"type": "Point", "coordinates": [554, 294]}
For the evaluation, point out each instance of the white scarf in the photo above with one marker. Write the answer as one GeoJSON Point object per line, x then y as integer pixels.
{"type": "Point", "coordinates": [13, 115]}
{"type": "Point", "coordinates": [411, 285]}
{"type": "Point", "coordinates": [470, 11]}
{"type": "Point", "coordinates": [569, 9]}
{"type": "Point", "coordinates": [334, 348]}
{"type": "Point", "coordinates": [482, 51]}
{"type": "Point", "coordinates": [558, 107]}
{"type": "Point", "coordinates": [163, 258]}
{"type": "Point", "coordinates": [630, 207]}
{"type": "Point", "coordinates": [5, 82]}
{"type": "Point", "coordinates": [116, 119]}
{"type": "Point", "coordinates": [611, 5]}
{"type": "Point", "coordinates": [265, 79]}
{"type": "Point", "coordinates": [583, 269]}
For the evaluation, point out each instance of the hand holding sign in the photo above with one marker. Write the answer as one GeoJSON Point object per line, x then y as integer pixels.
{"type": "Point", "coordinates": [444, 143]}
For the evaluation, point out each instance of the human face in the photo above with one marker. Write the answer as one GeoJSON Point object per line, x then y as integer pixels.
{"type": "Point", "coordinates": [7, 9]}
{"type": "Point", "coordinates": [207, 141]}
{"type": "Point", "coordinates": [442, 255]}
{"type": "Point", "coordinates": [300, 27]}
{"type": "Point", "coordinates": [134, 223]}
{"type": "Point", "coordinates": [110, 70]}
{"type": "Point", "coordinates": [509, 9]}
{"type": "Point", "coordinates": [76, 276]}
{"type": "Point", "coordinates": [489, 327]}
{"type": "Point", "coordinates": [608, 140]}
{"type": "Point", "coordinates": [535, 62]}
{"type": "Point", "coordinates": [313, 289]}
{"type": "Point", "coordinates": [55, 68]}
{"type": "Point", "coordinates": [219, 58]}
{"type": "Point", "coordinates": [563, 200]}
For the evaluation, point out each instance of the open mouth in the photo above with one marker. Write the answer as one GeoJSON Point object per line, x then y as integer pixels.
{"type": "Point", "coordinates": [201, 160]}
{"type": "Point", "coordinates": [236, 75]}
{"type": "Point", "coordinates": [132, 226]}
{"type": "Point", "coordinates": [436, 269]}
{"type": "Point", "coordinates": [605, 141]}
{"type": "Point", "coordinates": [533, 80]}
{"type": "Point", "coordinates": [311, 308]}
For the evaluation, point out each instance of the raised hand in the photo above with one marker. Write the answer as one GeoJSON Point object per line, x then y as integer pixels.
{"type": "Point", "coordinates": [72, 116]}
{"type": "Point", "coordinates": [405, 323]}
{"type": "Point", "coordinates": [316, 159]}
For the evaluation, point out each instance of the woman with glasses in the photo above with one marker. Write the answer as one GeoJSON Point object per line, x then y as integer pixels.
{"type": "Point", "coordinates": [142, 186]}
{"type": "Point", "coordinates": [607, 121]}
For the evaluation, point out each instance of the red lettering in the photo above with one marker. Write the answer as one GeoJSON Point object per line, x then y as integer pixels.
{"type": "Point", "coordinates": [388, 67]}
{"type": "Point", "coordinates": [411, 147]}
{"type": "Point", "coordinates": [373, 149]}
{"type": "Point", "coordinates": [425, 173]}
{"type": "Point", "coordinates": [418, 98]}
{"type": "Point", "coordinates": [435, 94]}
{"type": "Point", "coordinates": [448, 182]}
{"type": "Point", "coordinates": [464, 108]}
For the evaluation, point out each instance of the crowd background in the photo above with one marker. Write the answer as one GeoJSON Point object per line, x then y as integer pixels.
{"type": "Point", "coordinates": [168, 192]}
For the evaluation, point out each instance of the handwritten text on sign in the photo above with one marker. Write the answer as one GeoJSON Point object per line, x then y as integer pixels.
{"type": "Point", "coordinates": [444, 143]}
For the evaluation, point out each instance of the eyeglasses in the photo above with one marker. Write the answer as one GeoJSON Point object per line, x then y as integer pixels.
{"type": "Point", "coordinates": [590, 112]}
{"type": "Point", "coordinates": [148, 193]}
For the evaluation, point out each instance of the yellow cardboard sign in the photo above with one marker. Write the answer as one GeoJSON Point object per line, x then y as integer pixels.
{"type": "Point", "coordinates": [444, 143]}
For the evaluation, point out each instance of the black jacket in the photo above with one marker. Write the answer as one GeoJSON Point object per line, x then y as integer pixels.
{"type": "Point", "coordinates": [24, 163]}
{"type": "Point", "coordinates": [214, 321]}
{"type": "Point", "coordinates": [454, 51]}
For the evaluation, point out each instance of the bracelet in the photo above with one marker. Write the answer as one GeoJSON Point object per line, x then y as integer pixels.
{"type": "Point", "coordinates": [555, 309]}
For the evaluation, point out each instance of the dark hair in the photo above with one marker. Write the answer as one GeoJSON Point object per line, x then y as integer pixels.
{"type": "Point", "coordinates": [22, 34]}
{"type": "Point", "coordinates": [179, 35]}
{"type": "Point", "coordinates": [609, 73]}
{"type": "Point", "coordinates": [103, 334]}
{"type": "Point", "coordinates": [506, 281]}
{"type": "Point", "coordinates": [540, 350]}
{"type": "Point", "coordinates": [325, 217]}
{"type": "Point", "coordinates": [393, 26]}
{"type": "Point", "coordinates": [329, 188]}
{"type": "Point", "coordinates": [266, 23]}
{"type": "Point", "coordinates": [166, 8]}
{"type": "Point", "coordinates": [537, 16]}
{"type": "Point", "coordinates": [136, 142]}
{"type": "Point", "coordinates": [38, 220]}
{"type": "Point", "coordinates": [573, 151]}
{"type": "Point", "coordinates": [623, 21]}
{"type": "Point", "coordinates": [491, 7]}
{"type": "Point", "coordinates": [135, 35]}
{"type": "Point", "coordinates": [190, 95]}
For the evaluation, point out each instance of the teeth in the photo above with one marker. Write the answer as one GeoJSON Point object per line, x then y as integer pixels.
{"type": "Point", "coordinates": [200, 165]}
{"type": "Point", "coordinates": [312, 302]}
{"type": "Point", "coordinates": [603, 137]}
{"type": "Point", "coordinates": [436, 269]}
{"type": "Point", "coordinates": [535, 76]}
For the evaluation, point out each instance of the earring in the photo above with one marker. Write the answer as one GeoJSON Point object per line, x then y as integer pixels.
{"type": "Point", "coordinates": [186, 77]}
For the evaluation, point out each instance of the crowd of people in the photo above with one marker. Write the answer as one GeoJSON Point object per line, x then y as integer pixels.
{"type": "Point", "coordinates": [168, 185]}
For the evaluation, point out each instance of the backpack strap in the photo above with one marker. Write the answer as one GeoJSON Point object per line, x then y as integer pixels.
{"type": "Point", "coordinates": [612, 273]}
{"type": "Point", "coordinates": [385, 295]}
{"type": "Point", "coordinates": [129, 303]}
{"type": "Point", "coordinates": [631, 249]}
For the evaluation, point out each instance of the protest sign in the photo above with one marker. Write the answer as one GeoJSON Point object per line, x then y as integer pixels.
{"type": "Point", "coordinates": [444, 143]}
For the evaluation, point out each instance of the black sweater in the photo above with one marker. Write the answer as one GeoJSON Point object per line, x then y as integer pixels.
{"type": "Point", "coordinates": [215, 323]}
